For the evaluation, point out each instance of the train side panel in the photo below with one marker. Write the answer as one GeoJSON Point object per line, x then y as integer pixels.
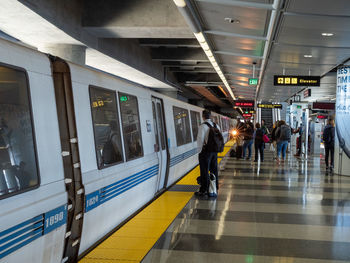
{"type": "Point", "coordinates": [44, 241]}
{"type": "Point", "coordinates": [131, 191]}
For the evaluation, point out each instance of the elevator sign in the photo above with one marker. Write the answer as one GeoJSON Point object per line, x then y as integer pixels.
{"type": "Point", "coordinates": [310, 81]}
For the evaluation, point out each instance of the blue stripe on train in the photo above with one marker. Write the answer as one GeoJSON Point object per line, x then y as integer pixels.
{"type": "Point", "coordinates": [108, 192]}
{"type": "Point", "coordinates": [22, 234]}
{"type": "Point", "coordinates": [181, 157]}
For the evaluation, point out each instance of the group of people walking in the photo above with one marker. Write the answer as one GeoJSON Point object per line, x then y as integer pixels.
{"type": "Point", "coordinates": [210, 142]}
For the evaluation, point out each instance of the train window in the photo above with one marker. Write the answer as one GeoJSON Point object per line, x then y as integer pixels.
{"type": "Point", "coordinates": [156, 145]}
{"type": "Point", "coordinates": [105, 119]}
{"type": "Point", "coordinates": [160, 121]}
{"type": "Point", "coordinates": [19, 171]}
{"type": "Point", "coordinates": [196, 122]}
{"type": "Point", "coordinates": [182, 126]}
{"type": "Point", "coordinates": [131, 126]}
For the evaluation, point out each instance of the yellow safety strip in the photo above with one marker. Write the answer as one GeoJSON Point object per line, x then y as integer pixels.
{"type": "Point", "coordinates": [133, 240]}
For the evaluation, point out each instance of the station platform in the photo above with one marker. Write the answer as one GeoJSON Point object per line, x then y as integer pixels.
{"type": "Point", "coordinates": [265, 212]}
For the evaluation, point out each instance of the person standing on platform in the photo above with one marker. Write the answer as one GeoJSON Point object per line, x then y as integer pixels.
{"type": "Point", "coordinates": [208, 160]}
{"type": "Point", "coordinates": [283, 138]}
{"type": "Point", "coordinates": [328, 140]}
{"type": "Point", "coordinates": [248, 139]}
{"type": "Point", "coordinates": [259, 143]}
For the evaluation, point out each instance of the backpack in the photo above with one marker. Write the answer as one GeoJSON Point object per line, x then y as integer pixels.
{"type": "Point", "coordinates": [327, 134]}
{"type": "Point", "coordinates": [259, 134]}
{"type": "Point", "coordinates": [285, 133]}
{"type": "Point", "coordinates": [215, 141]}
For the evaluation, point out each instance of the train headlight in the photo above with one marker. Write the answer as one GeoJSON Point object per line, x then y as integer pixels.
{"type": "Point", "coordinates": [234, 132]}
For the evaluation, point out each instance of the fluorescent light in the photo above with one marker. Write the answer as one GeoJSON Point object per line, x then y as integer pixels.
{"type": "Point", "coordinates": [200, 37]}
{"type": "Point", "coordinates": [307, 56]}
{"type": "Point", "coordinates": [180, 3]}
{"type": "Point", "coordinates": [327, 34]}
{"type": "Point", "coordinates": [205, 46]}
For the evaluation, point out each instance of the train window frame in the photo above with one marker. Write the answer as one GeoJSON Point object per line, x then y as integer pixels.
{"type": "Point", "coordinates": [127, 159]}
{"type": "Point", "coordinates": [36, 157]}
{"type": "Point", "coordinates": [199, 121]}
{"type": "Point", "coordinates": [189, 126]}
{"type": "Point", "coordinates": [120, 128]}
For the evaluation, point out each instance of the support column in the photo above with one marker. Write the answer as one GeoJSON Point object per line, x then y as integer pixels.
{"type": "Point", "coordinates": [72, 53]}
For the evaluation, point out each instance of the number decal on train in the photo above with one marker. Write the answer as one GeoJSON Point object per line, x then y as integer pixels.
{"type": "Point", "coordinates": [55, 218]}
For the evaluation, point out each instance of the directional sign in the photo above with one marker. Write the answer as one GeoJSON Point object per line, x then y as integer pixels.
{"type": "Point", "coordinates": [270, 106]}
{"type": "Point", "coordinates": [253, 82]}
{"type": "Point", "coordinates": [281, 80]}
{"type": "Point", "coordinates": [244, 103]}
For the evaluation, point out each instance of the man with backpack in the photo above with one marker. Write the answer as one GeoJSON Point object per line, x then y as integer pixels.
{"type": "Point", "coordinates": [210, 142]}
{"type": "Point", "coordinates": [283, 138]}
{"type": "Point", "coordinates": [328, 140]}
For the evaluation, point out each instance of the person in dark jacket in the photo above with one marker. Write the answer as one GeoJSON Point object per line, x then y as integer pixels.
{"type": "Point", "coordinates": [328, 140]}
{"type": "Point", "coordinates": [248, 139]}
{"type": "Point", "coordinates": [259, 143]}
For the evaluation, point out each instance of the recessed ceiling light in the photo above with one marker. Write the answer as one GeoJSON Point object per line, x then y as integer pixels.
{"type": "Point", "coordinates": [232, 21]}
{"type": "Point", "coordinates": [327, 34]}
{"type": "Point", "coordinates": [307, 56]}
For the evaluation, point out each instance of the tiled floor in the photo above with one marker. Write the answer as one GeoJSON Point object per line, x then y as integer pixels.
{"type": "Point", "coordinates": [265, 212]}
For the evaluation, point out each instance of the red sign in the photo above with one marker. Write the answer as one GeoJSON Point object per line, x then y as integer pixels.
{"type": "Point", "coordinates": [247, 115]}
{"type": "Point", "coordinates": [307, 93]}
{"type": "Point", "coordinates": [321, 117]}
{"type": "Point", "coordinates": [244, 103]}
{"type": "Point", "coordinates": [324, 105]}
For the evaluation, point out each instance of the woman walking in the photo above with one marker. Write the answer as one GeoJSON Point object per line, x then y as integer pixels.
{"type": "Point", "coordinates": [259, 143]}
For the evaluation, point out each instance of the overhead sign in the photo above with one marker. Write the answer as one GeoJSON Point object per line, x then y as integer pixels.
{"type": "Point", "coordinates": [280, 80]}
{"type": "Point", "coordinates": [307, 93]}
{"type": "Point", "coordinates": [253, 81]}
{"type": "Point", "coordinates": [323, 105]}
{"type": "Point", "coordinates": [247, 115]}
{"type": "Point", "coordinates": [244, 103]}
{"type": "Point", "coordinates": [270, 106]}
{"type": "Point", "coordinates": [249, 111]}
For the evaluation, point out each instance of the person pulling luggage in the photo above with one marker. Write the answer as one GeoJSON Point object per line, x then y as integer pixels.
{"type": "Point", "coordinates": [210, 141]}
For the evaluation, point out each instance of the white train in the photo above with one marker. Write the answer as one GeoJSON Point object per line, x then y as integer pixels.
{"type": "Point", "coordinates": [80, 152]}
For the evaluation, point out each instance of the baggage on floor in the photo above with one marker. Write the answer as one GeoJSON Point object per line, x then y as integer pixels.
{"type": "Point", "coordinates": [212, 186]}
{"type": "Point", "coordinates": [239, 151]}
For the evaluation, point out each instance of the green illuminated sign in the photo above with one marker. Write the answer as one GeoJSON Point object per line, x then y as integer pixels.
{"type": "Point", "coordinates": [123, 98]}
{"type": "Point", "coordinates": [299, 106]}
{"type": "Point", "coordinates": [253, 81]}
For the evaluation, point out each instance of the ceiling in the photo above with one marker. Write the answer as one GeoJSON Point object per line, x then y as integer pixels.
{"type": "Point", "coordinates": [151, 42]}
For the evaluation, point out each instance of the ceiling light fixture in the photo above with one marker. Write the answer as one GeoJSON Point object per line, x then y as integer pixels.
{"type": "Point", "coordinates": [327, 34]}
{"type": "Point", "coordinates": [180, 3]}
{"type": "Point", "coordinates": [307, 56]}
{"type": "Point", "coordinates": [201, 39]}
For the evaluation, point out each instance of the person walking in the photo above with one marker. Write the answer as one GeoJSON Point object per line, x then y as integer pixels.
{"type": "Point", "coordinates": [283, 135]}
{"type": "Point", "coordinates": [248, 139]}
{"type": "Point", "coordinates": [259, 143]}
{"type": "Point", "coordinates": [328, 140]}
{"type": "Point", "coordinates": [208, 160]}
{"type": "Point", "coordinates": [274, 140]}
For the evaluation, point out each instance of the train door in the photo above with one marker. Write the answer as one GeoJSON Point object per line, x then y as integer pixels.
{"type": "Point", "coordinates": [161, 145]}
{"type": "Point", "coordinates": [71, 158]}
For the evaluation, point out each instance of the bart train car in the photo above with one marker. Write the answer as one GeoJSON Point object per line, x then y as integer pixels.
{"type": "Point", "coordinates": [80, 152]}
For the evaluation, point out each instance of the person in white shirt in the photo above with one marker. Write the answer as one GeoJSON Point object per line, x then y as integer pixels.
{"type": "Point", "coordinates": [207, 160]}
